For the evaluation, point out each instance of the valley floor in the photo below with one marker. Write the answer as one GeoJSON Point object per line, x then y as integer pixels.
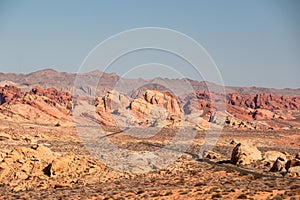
{"type": "Point", "coordinates": [188, 177]}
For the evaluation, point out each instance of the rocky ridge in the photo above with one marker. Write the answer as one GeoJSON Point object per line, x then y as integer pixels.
{"type": "Point", "coordinates": [65, 81]}
{"type": "Point", "coordinates": [36, 106]}
{"type": "Point", "coordinates": [154, 108]}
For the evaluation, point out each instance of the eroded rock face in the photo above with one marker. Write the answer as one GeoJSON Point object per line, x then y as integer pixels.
{"type": "Point", "coordinates": [164, 99]}
{"type": "Point", "coordinates": [22, 163]}
{"type": "Point", "coordinates": [152, 108]}
{"type": "Point", "coordinates": [113, 101]}
{"type": "Point", "coordinates": [39, 168]}
{"type": "Point", "coordinates": [240, 100]}
{"type": "Point", "coordinates": [72, 168]}
{"type": "Point", "coordinates": [243, 110]}
{"type": "Point", "coordinates": [265, 101]}
{"type": "Point", "coordinates": [262, 107]}
{"type": "Point", "coordinates": [9, 94]}
{"type": "Point", "coordinates": [244, 154]}
{"type": "Point", "coordinates": [157, 105]}
{"type": "Point", "coordinates": [112, 105]}
{"type": "Point", "coordinates": [154, 97]}
{"type": "Point", "coordinates": [294, 162]}
{"type": "Point", "coordinates": [37, 106]}
{"type": "Point", "coordinates": [53, 94]}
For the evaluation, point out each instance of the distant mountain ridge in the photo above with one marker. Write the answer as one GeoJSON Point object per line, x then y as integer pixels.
{"type": "Point", "coordinates": [65, 81]}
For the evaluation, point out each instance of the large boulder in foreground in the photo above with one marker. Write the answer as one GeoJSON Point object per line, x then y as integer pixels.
{"type": "Point", "coordinates": [244, 154]}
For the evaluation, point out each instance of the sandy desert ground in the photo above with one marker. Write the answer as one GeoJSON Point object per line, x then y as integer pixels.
{"type": "Point", "coordinates": [80, 176]}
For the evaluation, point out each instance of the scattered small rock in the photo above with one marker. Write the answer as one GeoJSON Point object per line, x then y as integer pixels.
{"type": "Point", "coordinates": [212, 155]}
{"type": "Point", "coordinates": [4, 136]}
{"type": "Point", "coordinates": [242, 196]}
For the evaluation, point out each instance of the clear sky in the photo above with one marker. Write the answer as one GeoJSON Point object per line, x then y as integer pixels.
{"type": "Point", "coordinates": [254, 43]}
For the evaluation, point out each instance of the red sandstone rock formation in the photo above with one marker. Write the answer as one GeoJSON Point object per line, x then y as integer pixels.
{"type": "Point", "coordinates": [9, 94]}
{"type": "Point", "coordinates": [37, 106]}
{"type": "Point", "coordinates": [266, 101]}
{"type": "Point", "coordinates": [53, 94]}
{"type": "Point", "coordinates": [154, 107]}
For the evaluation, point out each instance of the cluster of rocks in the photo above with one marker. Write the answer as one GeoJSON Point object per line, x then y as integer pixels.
{"type": "Point", "coordinates": [238, 123]}
{"type": "Point", "coordinates": [36, 106]}
{"type": "Point", "coordinates": [38, 167]}
{"type": "Point", "coordinates": [60, 97]}
{"type": "Point", "coordinates": [244, 154]}
{"type": "Point", "coordinates": [285, 163]}
{"type": "Point", "coordinates": [150, 109]}
{"type": "Point", "coordinates": [245, 111]}
{"type": "Point", "coordinates": [158, 108]}
{"type": "Point", "coordinates": [281, 162]}
{"type": "Point", "coordinates": [10, 94]}
{"type": "Point", "coordinates": [265, 101]}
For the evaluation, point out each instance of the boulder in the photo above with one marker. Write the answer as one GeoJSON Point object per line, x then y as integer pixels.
{"type": "Point", "coordinates": [271, 156]}
{"type": "Point", "coordinates": [298, 156]}
{"type": "Point", "coordinates": [243, 154]}
{"type": "Point", "coordinates": [70, 167]}
{"type": "Point", "coordinates": [211, 155]}
{"type": "Point", "coordinates": [294, 171]}
{"type": "Point", "coordinates": [292, 163]}
{"type": "Point", "coordinates": [279, 165]}
{"type": "Point", "coordinates": [60, 165]}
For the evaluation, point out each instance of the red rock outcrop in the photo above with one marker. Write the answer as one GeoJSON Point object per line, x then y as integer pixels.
{"type": "Point", "coordinates": [154, 97]}
{"type": "Point", "coordinates": [265, 101]}
{"type": "Point", "coordinates": [245, 109]}
{"type": "Point", "coordinates": [111, 105]}
{"type": "Point", "coordinates": [53, 94]}
{"type": "Point", "coordinates": [152, 107]}
{"type": "Point", "coordinates": [9, 94]}
{"type": "Point", "coordinates": [37, 106]}
{"type": "Point", "coordinates": [158, 106]}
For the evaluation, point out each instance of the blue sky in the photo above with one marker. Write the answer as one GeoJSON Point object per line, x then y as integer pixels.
{"type": "Point", "coordinates": [253, 43]}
